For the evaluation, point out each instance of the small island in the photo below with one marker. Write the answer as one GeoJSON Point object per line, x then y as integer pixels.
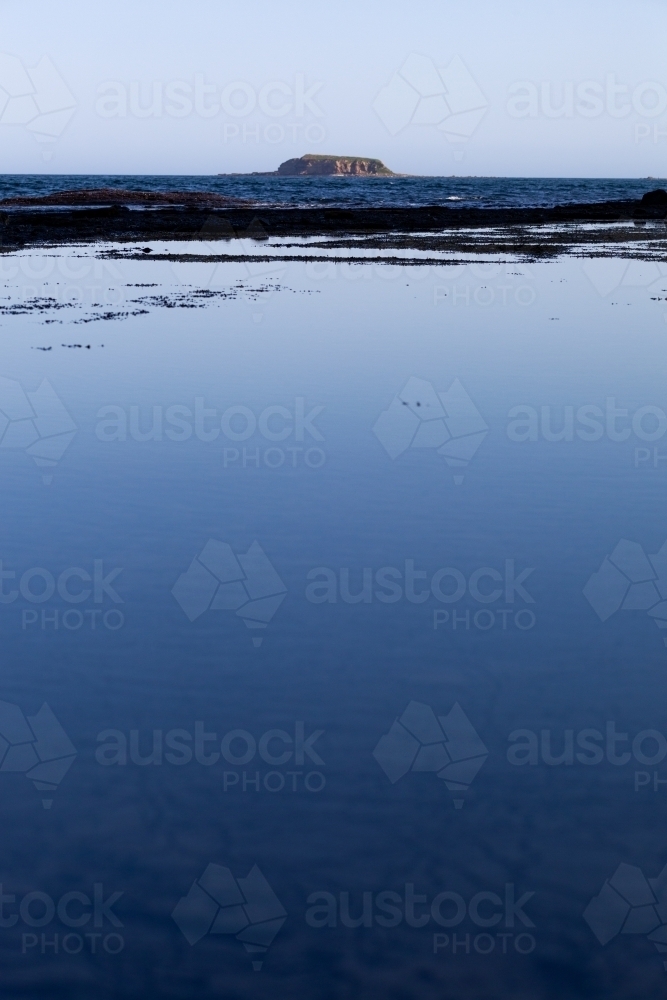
{"type": "Point", "coordinates": [319, 165]}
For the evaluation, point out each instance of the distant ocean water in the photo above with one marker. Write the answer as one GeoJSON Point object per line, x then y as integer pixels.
{"type": "Point", "coordinates": [460, 192]}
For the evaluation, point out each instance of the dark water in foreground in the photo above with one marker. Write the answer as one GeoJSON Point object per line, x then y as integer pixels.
{"type": "Point", "coordinates": [450, 733]}
{"type": "Point", "coordinates": [473, 192]}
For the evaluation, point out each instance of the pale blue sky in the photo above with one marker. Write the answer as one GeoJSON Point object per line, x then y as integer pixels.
{"type": "Point", "coordinates": [208, 87]}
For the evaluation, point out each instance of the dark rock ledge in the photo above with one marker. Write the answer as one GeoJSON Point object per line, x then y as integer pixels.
{"type": "Point", "coordinates": [110, 215]}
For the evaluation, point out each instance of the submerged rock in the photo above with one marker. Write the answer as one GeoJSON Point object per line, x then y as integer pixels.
{"type": "Point", "coordinates": [318, 165]}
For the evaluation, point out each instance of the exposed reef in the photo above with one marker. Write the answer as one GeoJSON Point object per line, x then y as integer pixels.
{"type": "Point", "coordinates": [121, 196]}
{"type": "Point", "coordinates": [532, 233]}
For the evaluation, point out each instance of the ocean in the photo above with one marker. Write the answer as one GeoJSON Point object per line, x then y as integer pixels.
{"type": "Point", "coordinates": [461, 192]}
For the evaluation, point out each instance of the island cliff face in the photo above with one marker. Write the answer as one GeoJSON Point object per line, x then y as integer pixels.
{"type": "Point", "coordinates": [317, 165]}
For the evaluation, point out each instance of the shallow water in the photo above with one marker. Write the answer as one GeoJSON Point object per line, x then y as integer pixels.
{"type": "Point", "coordinates": [274, 411]}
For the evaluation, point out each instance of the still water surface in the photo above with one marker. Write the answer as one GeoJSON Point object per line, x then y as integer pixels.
{"type": "Point", "coordinates": [302, 584]}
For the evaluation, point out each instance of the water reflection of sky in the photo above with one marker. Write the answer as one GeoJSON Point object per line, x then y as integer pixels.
{"type": "Point", "coordinates": [249, 416]}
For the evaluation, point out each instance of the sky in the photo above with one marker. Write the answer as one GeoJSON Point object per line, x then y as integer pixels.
{"type": "Point", "coordinates": [528, 88]}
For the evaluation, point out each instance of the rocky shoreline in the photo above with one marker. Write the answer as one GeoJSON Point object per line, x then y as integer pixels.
{"type": "Point", "coordinates": [112, 215]}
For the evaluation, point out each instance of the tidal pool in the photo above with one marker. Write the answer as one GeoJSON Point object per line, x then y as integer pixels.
{"type": "Point", "coordinates": [345, 588]}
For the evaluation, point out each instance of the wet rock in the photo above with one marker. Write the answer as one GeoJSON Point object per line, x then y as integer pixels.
{"type": "Point", "coordinates": [653, 205]}
{"type": "Point", "coordinates": [655, 199]}
{"type": "Point", "coordinates": [120, 197]}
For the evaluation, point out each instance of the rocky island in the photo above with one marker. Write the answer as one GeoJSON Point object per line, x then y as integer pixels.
{"type": "Point", "coordinates": [319, 165]}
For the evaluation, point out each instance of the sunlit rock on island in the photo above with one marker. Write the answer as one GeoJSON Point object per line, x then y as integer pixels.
{"type": "Point", "coordinates": [318, 165]}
